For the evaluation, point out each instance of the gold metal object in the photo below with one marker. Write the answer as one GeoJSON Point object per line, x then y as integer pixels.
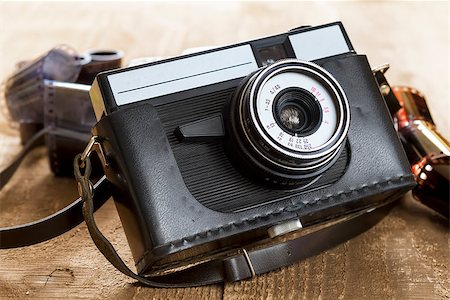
{"type": "Point", "coordinates": [385, 89]}
{"type": "Point", "coordinates": [94, 145]}
{"type": "Point", "coordinates": [382, 69]}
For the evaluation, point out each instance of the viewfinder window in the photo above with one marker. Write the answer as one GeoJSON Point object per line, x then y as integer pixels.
{"type": "Point", "coordinates": [271, 54]}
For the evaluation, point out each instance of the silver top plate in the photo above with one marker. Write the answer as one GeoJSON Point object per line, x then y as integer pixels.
{"type": "Point", "coordinates": [187, 73]}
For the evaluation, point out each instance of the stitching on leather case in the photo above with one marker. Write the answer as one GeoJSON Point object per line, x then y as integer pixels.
{"type": "Point", "coordinates": [290, 208]}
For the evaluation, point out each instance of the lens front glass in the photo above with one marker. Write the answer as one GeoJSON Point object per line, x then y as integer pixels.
{"type": "Point", "coordinates": [297, 112]}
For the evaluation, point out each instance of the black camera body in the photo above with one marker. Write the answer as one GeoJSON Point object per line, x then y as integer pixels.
{"type": "Point", "coordinates": [237, 145]}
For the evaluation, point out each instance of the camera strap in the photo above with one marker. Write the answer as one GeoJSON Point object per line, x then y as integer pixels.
{"type": "Point", "coordinates": [244, 265]}
{"type": "Point", "coordinates": [33, 142]}
{"type": "Point", "coordinates": [52, 225]}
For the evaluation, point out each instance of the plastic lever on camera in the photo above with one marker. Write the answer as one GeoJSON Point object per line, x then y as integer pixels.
{"type": "Point", "coordinates": [207, 128]}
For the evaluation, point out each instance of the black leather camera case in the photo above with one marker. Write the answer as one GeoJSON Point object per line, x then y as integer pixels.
{"type": "Point", "coordinates": [157, 178]}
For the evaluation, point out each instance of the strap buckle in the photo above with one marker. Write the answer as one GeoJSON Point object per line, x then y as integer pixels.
{"type": "Point", "coordinates": [249, 263]}
{"type": "Point", "coordinates": [82, 166]}
{"type": "Point", "coordinates": [239, 266]}
{"type": "Point", "coordinates": [93, 145]}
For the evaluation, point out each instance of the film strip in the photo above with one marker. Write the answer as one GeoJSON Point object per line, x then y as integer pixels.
{"type": "Point", "coordinates": [52, 92]}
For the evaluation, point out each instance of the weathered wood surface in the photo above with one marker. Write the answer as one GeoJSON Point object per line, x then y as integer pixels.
{"type": "Point", "coordinates": [406, 256]}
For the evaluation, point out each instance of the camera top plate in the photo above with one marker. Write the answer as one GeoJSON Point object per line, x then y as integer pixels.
{"type": "Point", "coordinates": [114, 89]}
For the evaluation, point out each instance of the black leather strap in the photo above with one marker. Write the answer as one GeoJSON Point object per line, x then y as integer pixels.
{"type": "Point", "coordinates": [284, 254]}
{"type": "Point", "coordinates": [8, 172]}
{"type": "Point", "coordinates": [55, 224]}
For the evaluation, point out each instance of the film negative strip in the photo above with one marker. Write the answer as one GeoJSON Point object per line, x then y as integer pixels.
{"type": "Point", "coordinates": [51, 93]}
{"type": "Point", "coordinates": [24, 88]}
{"type": "Point", "coordinates": [68, 117]}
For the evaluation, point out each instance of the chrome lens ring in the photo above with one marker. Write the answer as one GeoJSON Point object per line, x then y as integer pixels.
{"type": "Point", "coordinates": [287, 149]}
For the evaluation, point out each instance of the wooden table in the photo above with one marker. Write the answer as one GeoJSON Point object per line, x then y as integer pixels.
{"type": "Point", "coordinates": [406, 256]}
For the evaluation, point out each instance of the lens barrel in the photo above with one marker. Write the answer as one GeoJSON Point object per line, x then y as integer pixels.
{"type": "Point", "coordinates": [287, 122]}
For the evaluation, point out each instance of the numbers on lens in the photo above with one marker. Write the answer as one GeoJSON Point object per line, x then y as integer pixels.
{"type": "Point", "coordinates": [268, 104]}
{"type": "Point", "coordinates": [315, 92]}
{"type": "Point", "coordinates": [275, 88]}
{"type": "Point", "coordinates": [280, 136]}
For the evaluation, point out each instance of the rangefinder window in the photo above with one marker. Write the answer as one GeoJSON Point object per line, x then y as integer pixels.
{"type": "Point", "coordinates": [271, 54]}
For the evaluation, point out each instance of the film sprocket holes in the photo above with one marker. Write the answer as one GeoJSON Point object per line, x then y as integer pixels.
{"type": "Point", "coordinates": [221, 149]}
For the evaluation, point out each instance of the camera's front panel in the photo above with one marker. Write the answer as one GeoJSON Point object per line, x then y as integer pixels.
{"type": "Point", "coordinates": [211, 175]}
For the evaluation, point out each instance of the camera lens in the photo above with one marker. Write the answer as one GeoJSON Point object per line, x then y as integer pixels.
{"type": "Point", "coordinates": [297, 111]}
{"type": "Point", "coordinates": [288, 122]}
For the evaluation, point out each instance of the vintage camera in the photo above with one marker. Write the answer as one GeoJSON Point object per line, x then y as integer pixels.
{"type": "Point", "coordinates": [236, 146]}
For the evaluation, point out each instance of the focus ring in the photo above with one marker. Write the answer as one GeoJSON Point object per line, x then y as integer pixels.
{"type": "Point", "coordinates": [273, 118]}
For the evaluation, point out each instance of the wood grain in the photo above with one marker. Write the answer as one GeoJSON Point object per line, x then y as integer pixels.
{"type": "Point", "coordinates": [406, 256]}
{"type": "Point", "coordinates": [397, 259]}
